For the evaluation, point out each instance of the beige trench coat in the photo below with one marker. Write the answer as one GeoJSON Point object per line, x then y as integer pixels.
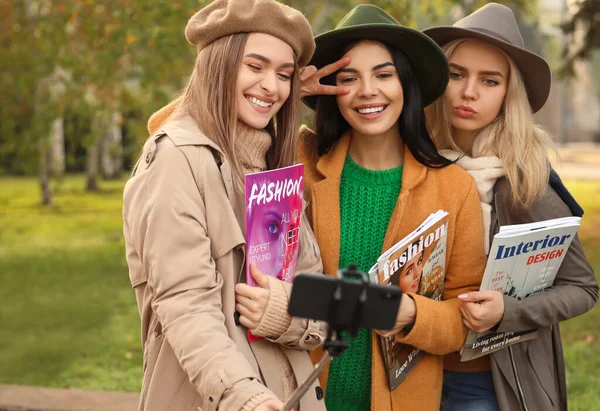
{"type": "Point", "coordinates": [185, 249]}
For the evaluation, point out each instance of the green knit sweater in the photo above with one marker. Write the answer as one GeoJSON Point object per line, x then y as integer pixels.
{"type": "Point", "coordinates": [367, 200]}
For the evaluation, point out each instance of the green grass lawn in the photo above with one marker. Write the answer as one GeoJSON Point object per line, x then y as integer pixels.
{"type": "Point", "coordinates": [68, 313]}
{"type": "Point", "coordinates": [581, 335]}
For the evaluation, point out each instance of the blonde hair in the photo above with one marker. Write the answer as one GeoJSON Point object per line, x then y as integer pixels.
{"type": "Point", "coordinates": [512, 136]}
{"type": "Point", "coordinates": [209, 98]}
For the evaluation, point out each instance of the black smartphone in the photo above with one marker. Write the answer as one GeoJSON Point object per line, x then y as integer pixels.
{"type": "Point", "coordinates": [337, 300]}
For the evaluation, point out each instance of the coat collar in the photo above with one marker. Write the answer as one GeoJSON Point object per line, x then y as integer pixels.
{"type": "Point", "coordinates": [326, 200]}
{"type": "Point", "coordinates": [184, 131]}
{"type": "Point", "coordinates": [331, 164]}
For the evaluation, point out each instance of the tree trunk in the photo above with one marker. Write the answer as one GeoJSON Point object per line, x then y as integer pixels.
{"type": "Point", "coordinates": [112, 150]}
{"type": "Point", "coordinates": [57, 142]}
{"type": "Point", "coordinates": [597, 134]}
{"type": "Point", "coordinates": [31, 12]}
{"type": "Point", "coordinates": [44, 173]}
{"type": "Point", "coordinates": [91, 167]}
{"type": "Point", "coordinates": [564, 110]}
{"type": "Point", "coordinates": [100, 124]}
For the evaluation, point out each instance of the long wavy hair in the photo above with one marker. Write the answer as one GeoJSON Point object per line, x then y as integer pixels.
{"type": "Point", "coordinates": [209, 98]}
{"type": "Point", "coordinates": [513, 136]}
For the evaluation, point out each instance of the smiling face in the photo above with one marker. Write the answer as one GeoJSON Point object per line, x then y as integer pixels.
{"type": "Point", "coordinates": [264, 79]}
{"type": "Point", "coordinates": [375, 101]}
{"type": "Point", "coordinates": [479, 75]}
{"type": "Point", "coordinates": [410, 275]}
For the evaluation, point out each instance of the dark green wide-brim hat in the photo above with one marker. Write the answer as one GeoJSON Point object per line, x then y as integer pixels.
{"type": "Point", "coordinates": [368, 22]}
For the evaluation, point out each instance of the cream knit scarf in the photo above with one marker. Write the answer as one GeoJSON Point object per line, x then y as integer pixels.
{"type": "Point", "coordinates": [485, 168]}
{"type": "Point", "coordinates": [252, 145]}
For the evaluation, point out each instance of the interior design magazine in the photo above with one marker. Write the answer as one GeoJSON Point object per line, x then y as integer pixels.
{"type": "Point", "coordinates": [523, 260]}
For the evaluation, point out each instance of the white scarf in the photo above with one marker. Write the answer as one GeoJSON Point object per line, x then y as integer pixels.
{"type": "Point", "coordinates": [485, 168]}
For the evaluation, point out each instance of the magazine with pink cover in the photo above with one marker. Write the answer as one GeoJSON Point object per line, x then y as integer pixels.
{"type": "Point", "coordinates": [273, 214]}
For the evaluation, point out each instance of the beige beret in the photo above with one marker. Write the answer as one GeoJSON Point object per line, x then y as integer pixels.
{"type": "Point", "coordinates": [225, 17]}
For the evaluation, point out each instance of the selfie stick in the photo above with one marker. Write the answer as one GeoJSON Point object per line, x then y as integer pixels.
{"type": "Point", "coordinates": [335, 343]}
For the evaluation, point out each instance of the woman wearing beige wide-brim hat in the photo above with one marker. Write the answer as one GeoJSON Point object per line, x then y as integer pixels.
{"type": "Point", "coordinates": [184, 220]}
{"type": "Point", "coordinates": [484, 121]}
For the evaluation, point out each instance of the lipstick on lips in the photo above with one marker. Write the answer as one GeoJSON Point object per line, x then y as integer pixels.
{"type": "Point", "coordinates": [371, 111]}
{"type": "Point", "coordinates": [465, 111]}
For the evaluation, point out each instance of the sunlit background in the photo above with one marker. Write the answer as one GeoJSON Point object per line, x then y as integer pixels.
{"type": "Point", "coordinates": [79, 80]}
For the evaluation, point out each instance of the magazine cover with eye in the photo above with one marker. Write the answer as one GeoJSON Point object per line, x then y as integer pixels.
{"type": "Point", "coordinates": [273, 214]}
{"type": "Point", "coordinates": [416, 264]}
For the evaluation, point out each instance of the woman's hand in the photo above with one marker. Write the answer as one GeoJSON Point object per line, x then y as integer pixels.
{"type": "Point", "coordinates": [482, 310]}
{"type": "Point", "coordinates": [406, 315]}
{"type": "Point", "coordinates": [310, 79]}
{"type": "Point", "coordinates": [252, 301]}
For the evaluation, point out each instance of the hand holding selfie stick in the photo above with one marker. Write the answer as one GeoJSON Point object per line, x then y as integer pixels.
{"type": "Point", "coordinates": [346, 305]}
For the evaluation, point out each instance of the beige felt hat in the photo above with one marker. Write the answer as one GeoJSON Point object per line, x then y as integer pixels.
{"type": "Point", "coordinates": [496, 24]}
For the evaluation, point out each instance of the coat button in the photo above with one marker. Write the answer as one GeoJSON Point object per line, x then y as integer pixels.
{"type": "Point", "coordinates": [319, 391]}
{"type": "Point", "coordinates": [236, 318]}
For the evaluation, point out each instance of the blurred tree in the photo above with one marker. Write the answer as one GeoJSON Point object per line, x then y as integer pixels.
{"type": "Point", "coordinates": [111, 150]}
{"type": "Point", "coordinates": [324, 15]}
{"type": "Point", "coordinates": [120, 61]}
{"type": "Point", "coordinates": [103, 50]}
{"type": "Point", "coordinates": [47, 88]}
{"type": "Point", "coordinates": [582, 30]}
{"type": "Point", "coordinates": [594, 69]}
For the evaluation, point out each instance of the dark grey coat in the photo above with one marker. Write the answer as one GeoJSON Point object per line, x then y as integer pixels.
{"type": "Point", "coordinates": [531, 375]}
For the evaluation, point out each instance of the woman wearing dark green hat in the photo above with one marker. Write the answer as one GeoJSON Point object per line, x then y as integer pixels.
{"type": "Point", "coordinates": [373, 175]}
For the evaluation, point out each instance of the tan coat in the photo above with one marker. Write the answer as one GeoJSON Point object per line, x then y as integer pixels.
{"type": "Point", "coordinates": [185, 250]}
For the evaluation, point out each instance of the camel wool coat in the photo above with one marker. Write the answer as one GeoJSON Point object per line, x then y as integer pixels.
{"type": "Point", "coordinates": [438, 328]}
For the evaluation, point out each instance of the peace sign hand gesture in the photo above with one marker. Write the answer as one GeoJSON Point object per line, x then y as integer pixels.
{"type": "Point", "coordinates": [310, 79]}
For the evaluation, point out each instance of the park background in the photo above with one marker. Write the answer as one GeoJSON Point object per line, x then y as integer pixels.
{"type": "Point", "coordinates": [78, 81]}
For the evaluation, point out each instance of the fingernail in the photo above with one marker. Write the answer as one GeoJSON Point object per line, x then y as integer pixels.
{"type": "Point", "coordinates": [463, 296]}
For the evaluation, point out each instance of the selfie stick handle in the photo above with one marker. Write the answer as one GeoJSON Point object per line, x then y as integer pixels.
{"type": "Point", "coordinates": [301, 390]}
{"type": "Point", "coordinates": [335, 343]}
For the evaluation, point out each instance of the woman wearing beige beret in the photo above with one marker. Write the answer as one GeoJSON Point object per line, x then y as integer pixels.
{"type": "Point", "coordinates": [184, 220]}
